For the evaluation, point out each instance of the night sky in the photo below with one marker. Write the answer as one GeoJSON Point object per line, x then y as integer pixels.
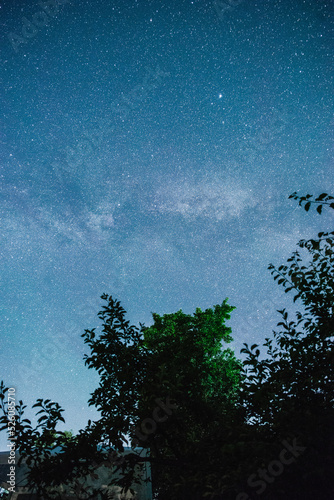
{"type": "Point", "coordinates": [147, 151]}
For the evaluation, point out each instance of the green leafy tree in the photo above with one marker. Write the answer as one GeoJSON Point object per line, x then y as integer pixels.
{"type": "Point", "coordinates": [160, 387]}
{"type": "Point", "coordinates": [179, 359]}
{"type": "Point", "coordinates": [187, 362]}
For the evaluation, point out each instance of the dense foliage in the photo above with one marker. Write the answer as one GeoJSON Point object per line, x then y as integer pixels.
{"type": "Point", "coordinates": [212, 426]}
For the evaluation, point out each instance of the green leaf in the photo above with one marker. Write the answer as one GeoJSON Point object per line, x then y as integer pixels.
{"type": "Point", "coordinates": [307, 206]}
{"type": "Point", "coordinates": [319, 209]}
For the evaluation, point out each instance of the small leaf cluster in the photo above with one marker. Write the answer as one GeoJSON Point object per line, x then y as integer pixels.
{"type": "Point", "coordinates": [320, 201]}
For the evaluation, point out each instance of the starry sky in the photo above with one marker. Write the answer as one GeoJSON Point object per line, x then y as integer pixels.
{"type": "Point", "coordinates": [147, 151]}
